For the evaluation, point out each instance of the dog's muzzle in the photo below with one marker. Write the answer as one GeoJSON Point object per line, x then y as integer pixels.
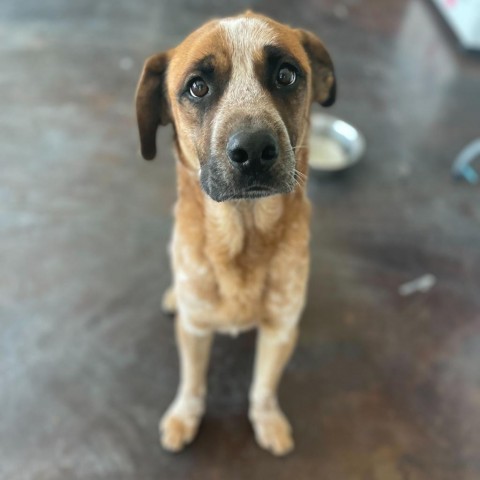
{"type": "Point", "coordinates": [253, 163]}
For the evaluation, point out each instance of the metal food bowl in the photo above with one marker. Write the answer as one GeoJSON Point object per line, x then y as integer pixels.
{"type": "Point", "coordinates": [335, 145]}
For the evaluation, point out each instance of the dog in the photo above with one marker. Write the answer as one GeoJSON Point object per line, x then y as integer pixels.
{"type": "Point", "coordinates": [238, 92]}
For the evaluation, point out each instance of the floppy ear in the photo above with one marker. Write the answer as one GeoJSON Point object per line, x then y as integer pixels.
{"type": "Point", "coordinates": [324, 85]}
{"type": "Point", "coordinates": [152, 102]}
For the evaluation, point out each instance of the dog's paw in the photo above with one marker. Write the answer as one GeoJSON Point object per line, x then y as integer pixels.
{"type": "Point", "coordinates": [176, 431]}
{"type": "Point", "coordinates": [169, 301]}
{"type": "Point", "coordinates": [272, 430]}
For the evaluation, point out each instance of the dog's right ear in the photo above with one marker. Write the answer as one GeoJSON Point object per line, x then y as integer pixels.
{"type": "Point", "coordinates": [152, 102]}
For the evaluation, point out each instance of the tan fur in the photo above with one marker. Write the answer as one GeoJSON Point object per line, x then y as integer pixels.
{"type": "Point", "coordinates": [237, 264]}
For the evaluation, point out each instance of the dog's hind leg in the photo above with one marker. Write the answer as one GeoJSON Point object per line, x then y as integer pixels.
{"type": "Point", "coordinates": [180, 423]}
{"type": "Point", "coordinates": [169, 301]}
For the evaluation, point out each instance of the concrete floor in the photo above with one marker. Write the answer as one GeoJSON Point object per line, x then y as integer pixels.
{"type": "Point", "coordinates": [381, 386]}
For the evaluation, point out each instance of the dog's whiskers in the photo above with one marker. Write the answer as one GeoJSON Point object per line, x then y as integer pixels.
{"type": "Point", "coordinates": [300, 175]}
{"type": "Point", "coordinates": [299, 178]}
{"type": "Point", "coordinates": [299, 147]}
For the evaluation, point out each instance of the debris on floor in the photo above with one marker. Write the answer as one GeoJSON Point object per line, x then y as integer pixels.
{"type": "Point", "coordinates": [421, 284]}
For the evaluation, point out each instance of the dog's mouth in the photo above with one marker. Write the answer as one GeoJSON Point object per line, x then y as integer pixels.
{"type": "Point", "coordinates": [255, 191]}
{"type": "Point", "coordinates": [251, 192]}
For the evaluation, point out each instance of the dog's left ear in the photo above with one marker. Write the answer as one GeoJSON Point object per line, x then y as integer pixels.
{"type": "Point", "coordinates": [324, 85]}
{"type": "Point", "coordinates": [152, 104]}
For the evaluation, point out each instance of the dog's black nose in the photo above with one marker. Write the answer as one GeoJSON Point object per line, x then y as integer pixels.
{"type": "Point", "coordinates": [252, 148]}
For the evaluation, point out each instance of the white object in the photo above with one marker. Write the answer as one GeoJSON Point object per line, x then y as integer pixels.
{"type": "Point", "coordinates": [463, 17]}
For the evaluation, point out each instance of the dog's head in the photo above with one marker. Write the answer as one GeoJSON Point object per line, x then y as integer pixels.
{"type": "Point", "coordinates": [238, 92]}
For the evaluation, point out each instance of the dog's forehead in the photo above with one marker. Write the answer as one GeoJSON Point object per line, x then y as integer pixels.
{"type": "Point", "coordinates": [248, 35]}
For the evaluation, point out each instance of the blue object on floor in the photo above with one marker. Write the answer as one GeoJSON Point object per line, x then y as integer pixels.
{"type": "Point", "coordinates": [462, 166]}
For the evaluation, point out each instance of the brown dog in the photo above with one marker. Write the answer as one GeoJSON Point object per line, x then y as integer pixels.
{"type": "Point", "coordinates": [238, 92]}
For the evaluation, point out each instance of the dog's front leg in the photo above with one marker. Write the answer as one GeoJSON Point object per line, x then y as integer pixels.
{"type": "Point", "coordinates": [180, 423]}
{"type": "Point", "coordinates": [272, 429]}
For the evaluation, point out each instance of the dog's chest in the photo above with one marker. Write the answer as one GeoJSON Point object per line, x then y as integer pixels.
{"type": "Point", "coordinates": [222, 272]}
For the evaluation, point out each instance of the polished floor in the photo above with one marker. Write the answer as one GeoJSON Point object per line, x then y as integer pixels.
{"type": "Point", "coordinates": [381, 387]}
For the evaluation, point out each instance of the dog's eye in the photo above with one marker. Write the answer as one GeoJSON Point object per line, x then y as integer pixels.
{"type": "Point", "coordinates": [286, 75]}
{"type": "Point", "coordinates": [198, 87]}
